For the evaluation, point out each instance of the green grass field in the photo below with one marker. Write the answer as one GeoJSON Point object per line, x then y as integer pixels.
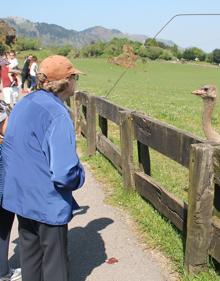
{"type": "Point", "coordinates": [162, 90]}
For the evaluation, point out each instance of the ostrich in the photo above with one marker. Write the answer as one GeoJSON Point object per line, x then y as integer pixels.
{"type": "Point", "coordinates": [209, 95]}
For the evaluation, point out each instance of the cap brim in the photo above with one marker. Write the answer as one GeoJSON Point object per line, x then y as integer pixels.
{"type": "Point", "coordinates": [77, 71]}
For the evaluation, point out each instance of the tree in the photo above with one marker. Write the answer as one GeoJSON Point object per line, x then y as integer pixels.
{"type": "Point", "coordinates": [216, 56]}
{"type": "Point", "coordinates": [150, 42]}
{"type": "Point", "coordinates": [192, 53]}
{"type": "Point", "coordinates": [188, 54]}
{"type": "Point", "coordinates": [209, 58]}
{"type": "Point", "coordinates": [175, 51]}
{"type": "Point", "coordinates": [199, 54]}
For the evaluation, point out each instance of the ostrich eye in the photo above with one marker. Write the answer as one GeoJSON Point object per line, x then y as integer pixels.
{"type": "Point", "coordinates": [206, 89]}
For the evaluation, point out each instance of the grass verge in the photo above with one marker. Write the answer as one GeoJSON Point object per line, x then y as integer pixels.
{"type": "Point", "coordinates": [155, 230]}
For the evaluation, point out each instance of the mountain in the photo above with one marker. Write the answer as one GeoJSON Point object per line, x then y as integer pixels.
{"type": "Point", "coordinates": [52, 34]}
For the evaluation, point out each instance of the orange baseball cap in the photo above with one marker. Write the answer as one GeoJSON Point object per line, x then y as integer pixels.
{"type": "Point", "coordinates": [57, 67]}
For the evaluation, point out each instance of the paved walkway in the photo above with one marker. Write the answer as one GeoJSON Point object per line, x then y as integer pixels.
{"type": "Point", "coordinates": [101, 232]}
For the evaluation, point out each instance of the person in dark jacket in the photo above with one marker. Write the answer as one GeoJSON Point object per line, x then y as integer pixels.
{"type": "Point", "coordinates": [42, 169]}
{"type": "Point", "coordinates": [25, 74]}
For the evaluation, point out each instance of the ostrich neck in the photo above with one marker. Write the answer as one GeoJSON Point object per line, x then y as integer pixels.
{"type": "Point", "coordinates": [210, 133]}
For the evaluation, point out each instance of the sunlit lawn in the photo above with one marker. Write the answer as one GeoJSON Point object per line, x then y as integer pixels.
{"type": "Point", "coordinates": [162, 90]}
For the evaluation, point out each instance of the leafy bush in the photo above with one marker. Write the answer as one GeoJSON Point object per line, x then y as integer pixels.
{"type": "Point", "coordinates": [166, 55]}
{"type": "Point", "coordinates": [154, 52]}
{"type": "Point", "coordinates": [143, 52]}
{"type": "Point", "coordinates": [93, 50]}
{"type": "Point", "coordinates": [25, 43]}
{"type": "Point", "coordinates": [64, 51]}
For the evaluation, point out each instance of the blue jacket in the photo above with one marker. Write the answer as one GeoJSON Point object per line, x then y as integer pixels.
{"type": "Point", "coordinates": [41, 167]}
{"type": "Point", "coordinates": [1, 175]}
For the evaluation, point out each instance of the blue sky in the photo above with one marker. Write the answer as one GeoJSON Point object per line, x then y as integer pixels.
{"type": "Point", "coordinates": [134, 17]}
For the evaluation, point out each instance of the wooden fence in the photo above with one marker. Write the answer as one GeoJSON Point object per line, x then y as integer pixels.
{"type": "Point", "coordinates": [196, 219]}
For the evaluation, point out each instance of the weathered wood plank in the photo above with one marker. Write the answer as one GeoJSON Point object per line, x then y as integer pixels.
{"type": "Point", "coordinates": [82, 97]}
{"type": "Point", "coordinates": [200, 207]}
{"type": "Point", "coordinates": [77, 117]}
{"type": "Point", "coordinates": [126, 140]}
{"type": "Point", "coordinates": [109, 150]}
{"type": "Point", "coordinates": [91, 126]}
{"type": "Point", "coordinates": [165, 202]}
{"type": "Point", "coordinates": [72, 103]}
{"type": "Point", "coordinates": [164, 138]}
{"type": "Point", "coordinates": [108, 110]}
{"type": "Point", "coordinates": [215, 242]}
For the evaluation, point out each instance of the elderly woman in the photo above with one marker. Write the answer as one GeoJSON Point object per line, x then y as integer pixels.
{"type": "Point", "coordinates": [41, 171]}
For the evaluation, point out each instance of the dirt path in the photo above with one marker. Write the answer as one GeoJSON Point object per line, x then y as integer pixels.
{"type": "Point", "coordinates": [101, 232]}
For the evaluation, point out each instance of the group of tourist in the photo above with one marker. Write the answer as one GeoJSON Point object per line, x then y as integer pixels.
{"type": "Point", "coordinates": [15, 80]}
{"type": "Point", "coordinates": [39, 169]}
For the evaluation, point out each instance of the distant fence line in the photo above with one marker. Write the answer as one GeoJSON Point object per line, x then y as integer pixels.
{"type": "Point", "coordinates": [196, 219]}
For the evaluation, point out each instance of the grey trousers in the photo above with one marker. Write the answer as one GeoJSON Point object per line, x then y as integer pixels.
{"type": "Point", "coordinates": [43, 251]}
{"type": "Point", "coordinates": [6, 221]}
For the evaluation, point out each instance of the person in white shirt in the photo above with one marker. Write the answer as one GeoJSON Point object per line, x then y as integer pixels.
{"type": "Point", "coordinates": [33, 72]}
{"type": "Point", "coordinates": [12, 66]}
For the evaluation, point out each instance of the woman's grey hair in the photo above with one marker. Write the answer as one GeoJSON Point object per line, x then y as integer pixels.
{"type": "Point", "coordinates": [54, 86]}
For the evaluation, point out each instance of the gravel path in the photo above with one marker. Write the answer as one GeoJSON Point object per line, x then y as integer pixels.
{"type": "Point", "coordinates": [99, 233]}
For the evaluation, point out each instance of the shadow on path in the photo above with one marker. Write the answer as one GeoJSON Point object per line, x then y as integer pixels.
{"type": "Point", "coordinates": [86, 248]}
{"type": "Point", "coordinates": [85, 245]}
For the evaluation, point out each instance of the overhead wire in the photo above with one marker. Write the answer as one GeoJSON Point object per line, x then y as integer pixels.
{"type": "Point", "coordinates": [155, 36]}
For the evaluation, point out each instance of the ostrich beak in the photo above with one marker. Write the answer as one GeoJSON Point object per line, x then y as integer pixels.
{"type": "Point", "coordinates": [198, 92]}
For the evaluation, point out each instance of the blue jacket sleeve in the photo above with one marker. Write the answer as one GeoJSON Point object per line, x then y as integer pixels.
{"type": "Point", "coordinates": [60, 149]}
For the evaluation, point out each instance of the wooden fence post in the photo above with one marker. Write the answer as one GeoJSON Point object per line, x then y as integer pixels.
{"type": "Point", "coordinates": [91, 126]}
{"type": "Point", "coordinates": [72, 103]}
{"type": "Point", "coordinates": [199, 219]}
{"type": "Point", "coordinates": [126, 140]}
{"type": "Point", "coordinates": [77, 117]}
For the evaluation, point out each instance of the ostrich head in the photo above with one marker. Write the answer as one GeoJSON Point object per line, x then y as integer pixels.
{"type": "Point", "coordinates": [206, 92]}
{"type": "Point", "coordinates": [209, 95]}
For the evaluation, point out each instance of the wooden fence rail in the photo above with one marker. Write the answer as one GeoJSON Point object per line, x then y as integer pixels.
{"type": "Point", "coordinates": [196, 219]}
